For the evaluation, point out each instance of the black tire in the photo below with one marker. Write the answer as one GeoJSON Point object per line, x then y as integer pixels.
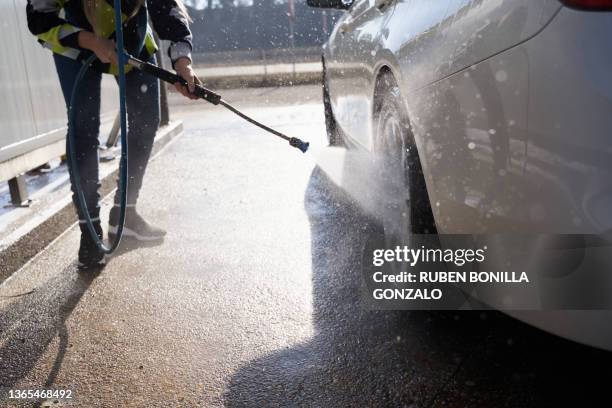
{"type": "Point", "coordinates": [334, 135]}
{"type": "Point", "coordinates": [411, 213]}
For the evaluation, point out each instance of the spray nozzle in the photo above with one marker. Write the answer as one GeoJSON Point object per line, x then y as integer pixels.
{"type": "Point", "coordinates": [299, 144]}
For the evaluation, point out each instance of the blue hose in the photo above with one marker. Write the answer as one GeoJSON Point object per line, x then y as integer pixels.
{"type": "Point", "coordinates": [75, 177]}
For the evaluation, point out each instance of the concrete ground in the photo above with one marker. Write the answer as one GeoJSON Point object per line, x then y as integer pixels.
{"type": "Point", "coordinates": [253, 298]}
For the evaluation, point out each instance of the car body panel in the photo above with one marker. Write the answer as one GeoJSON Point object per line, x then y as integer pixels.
{"type": "Point", "coordinates": [474, 30]}
{"type": "Point", "coordinates": [570, 125]}
{"type": "Point", "coordinates": [590, 327]}
{"type": "Point", "coordinates": [413, 36]}
{"type": "Point", "coordinates": [471, 132]}
{"type": "Point", "coordinates": [510, 104]}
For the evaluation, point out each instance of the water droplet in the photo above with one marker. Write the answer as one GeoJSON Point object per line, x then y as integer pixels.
{"type": "Point", "coordinates": [471, 145]}
{"type": "Point", "coordinates": [501, 76]}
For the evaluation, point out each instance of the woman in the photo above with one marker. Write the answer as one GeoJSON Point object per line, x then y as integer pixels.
{"type": "Point", "coordinates": [86, 27]}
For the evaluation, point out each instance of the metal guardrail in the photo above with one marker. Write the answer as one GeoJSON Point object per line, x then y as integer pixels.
{"type": "Point", "coordinates": [258, 56]}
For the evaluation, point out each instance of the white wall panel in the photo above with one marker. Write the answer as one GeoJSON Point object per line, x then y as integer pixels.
{"type": "Point", "coordinates": [32, 103]}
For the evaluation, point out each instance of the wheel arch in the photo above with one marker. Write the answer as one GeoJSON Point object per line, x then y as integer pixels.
{"type": "Point", "coordinates": [377, 96]}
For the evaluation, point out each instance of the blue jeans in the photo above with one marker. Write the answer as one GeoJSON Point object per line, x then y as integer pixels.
{"type": "Point", "coordinates": [142, 103]}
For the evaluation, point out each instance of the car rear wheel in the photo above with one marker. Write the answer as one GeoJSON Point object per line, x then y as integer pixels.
{"type": "Point", "coordinates": [406, 209]}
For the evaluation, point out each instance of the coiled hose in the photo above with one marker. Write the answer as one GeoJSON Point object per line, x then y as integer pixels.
{"type": "Point", "coordinates": [75, 176]}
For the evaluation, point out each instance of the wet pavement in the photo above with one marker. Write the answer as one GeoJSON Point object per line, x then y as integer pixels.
{"type": "Point", "coordinates": [253, 299]}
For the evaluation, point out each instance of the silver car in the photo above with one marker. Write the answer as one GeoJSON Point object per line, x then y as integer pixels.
{"type": "Point", "coordinates": [499, 112]}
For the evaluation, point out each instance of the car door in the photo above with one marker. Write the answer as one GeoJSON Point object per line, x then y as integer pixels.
{"type": "Point", "coordinates": [337, 55]}
{"type": "Point", "coordinates": [351, 66]}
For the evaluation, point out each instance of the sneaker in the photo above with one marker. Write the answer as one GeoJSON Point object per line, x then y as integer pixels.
{"type": "Point", "coordinates": [90, 256]}
{"type": "Point", "coordinates": [135, 226]}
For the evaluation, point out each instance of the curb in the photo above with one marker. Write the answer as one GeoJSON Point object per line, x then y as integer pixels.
{"type": "Point", "coordinates": [256, 81]}
{"type": "Point", "coordinates": [36, 235]}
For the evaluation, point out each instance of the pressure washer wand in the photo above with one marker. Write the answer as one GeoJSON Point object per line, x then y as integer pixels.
{"type": "Point", "coordinates": [211, 97]}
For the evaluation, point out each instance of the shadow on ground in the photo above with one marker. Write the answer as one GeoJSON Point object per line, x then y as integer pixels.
{"type": "Point", "coordinates": [129, 244]}
{"type": "Point", "coordinates": [30, 321]}
{"type": "Point", "coordinates": [362, 358]}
